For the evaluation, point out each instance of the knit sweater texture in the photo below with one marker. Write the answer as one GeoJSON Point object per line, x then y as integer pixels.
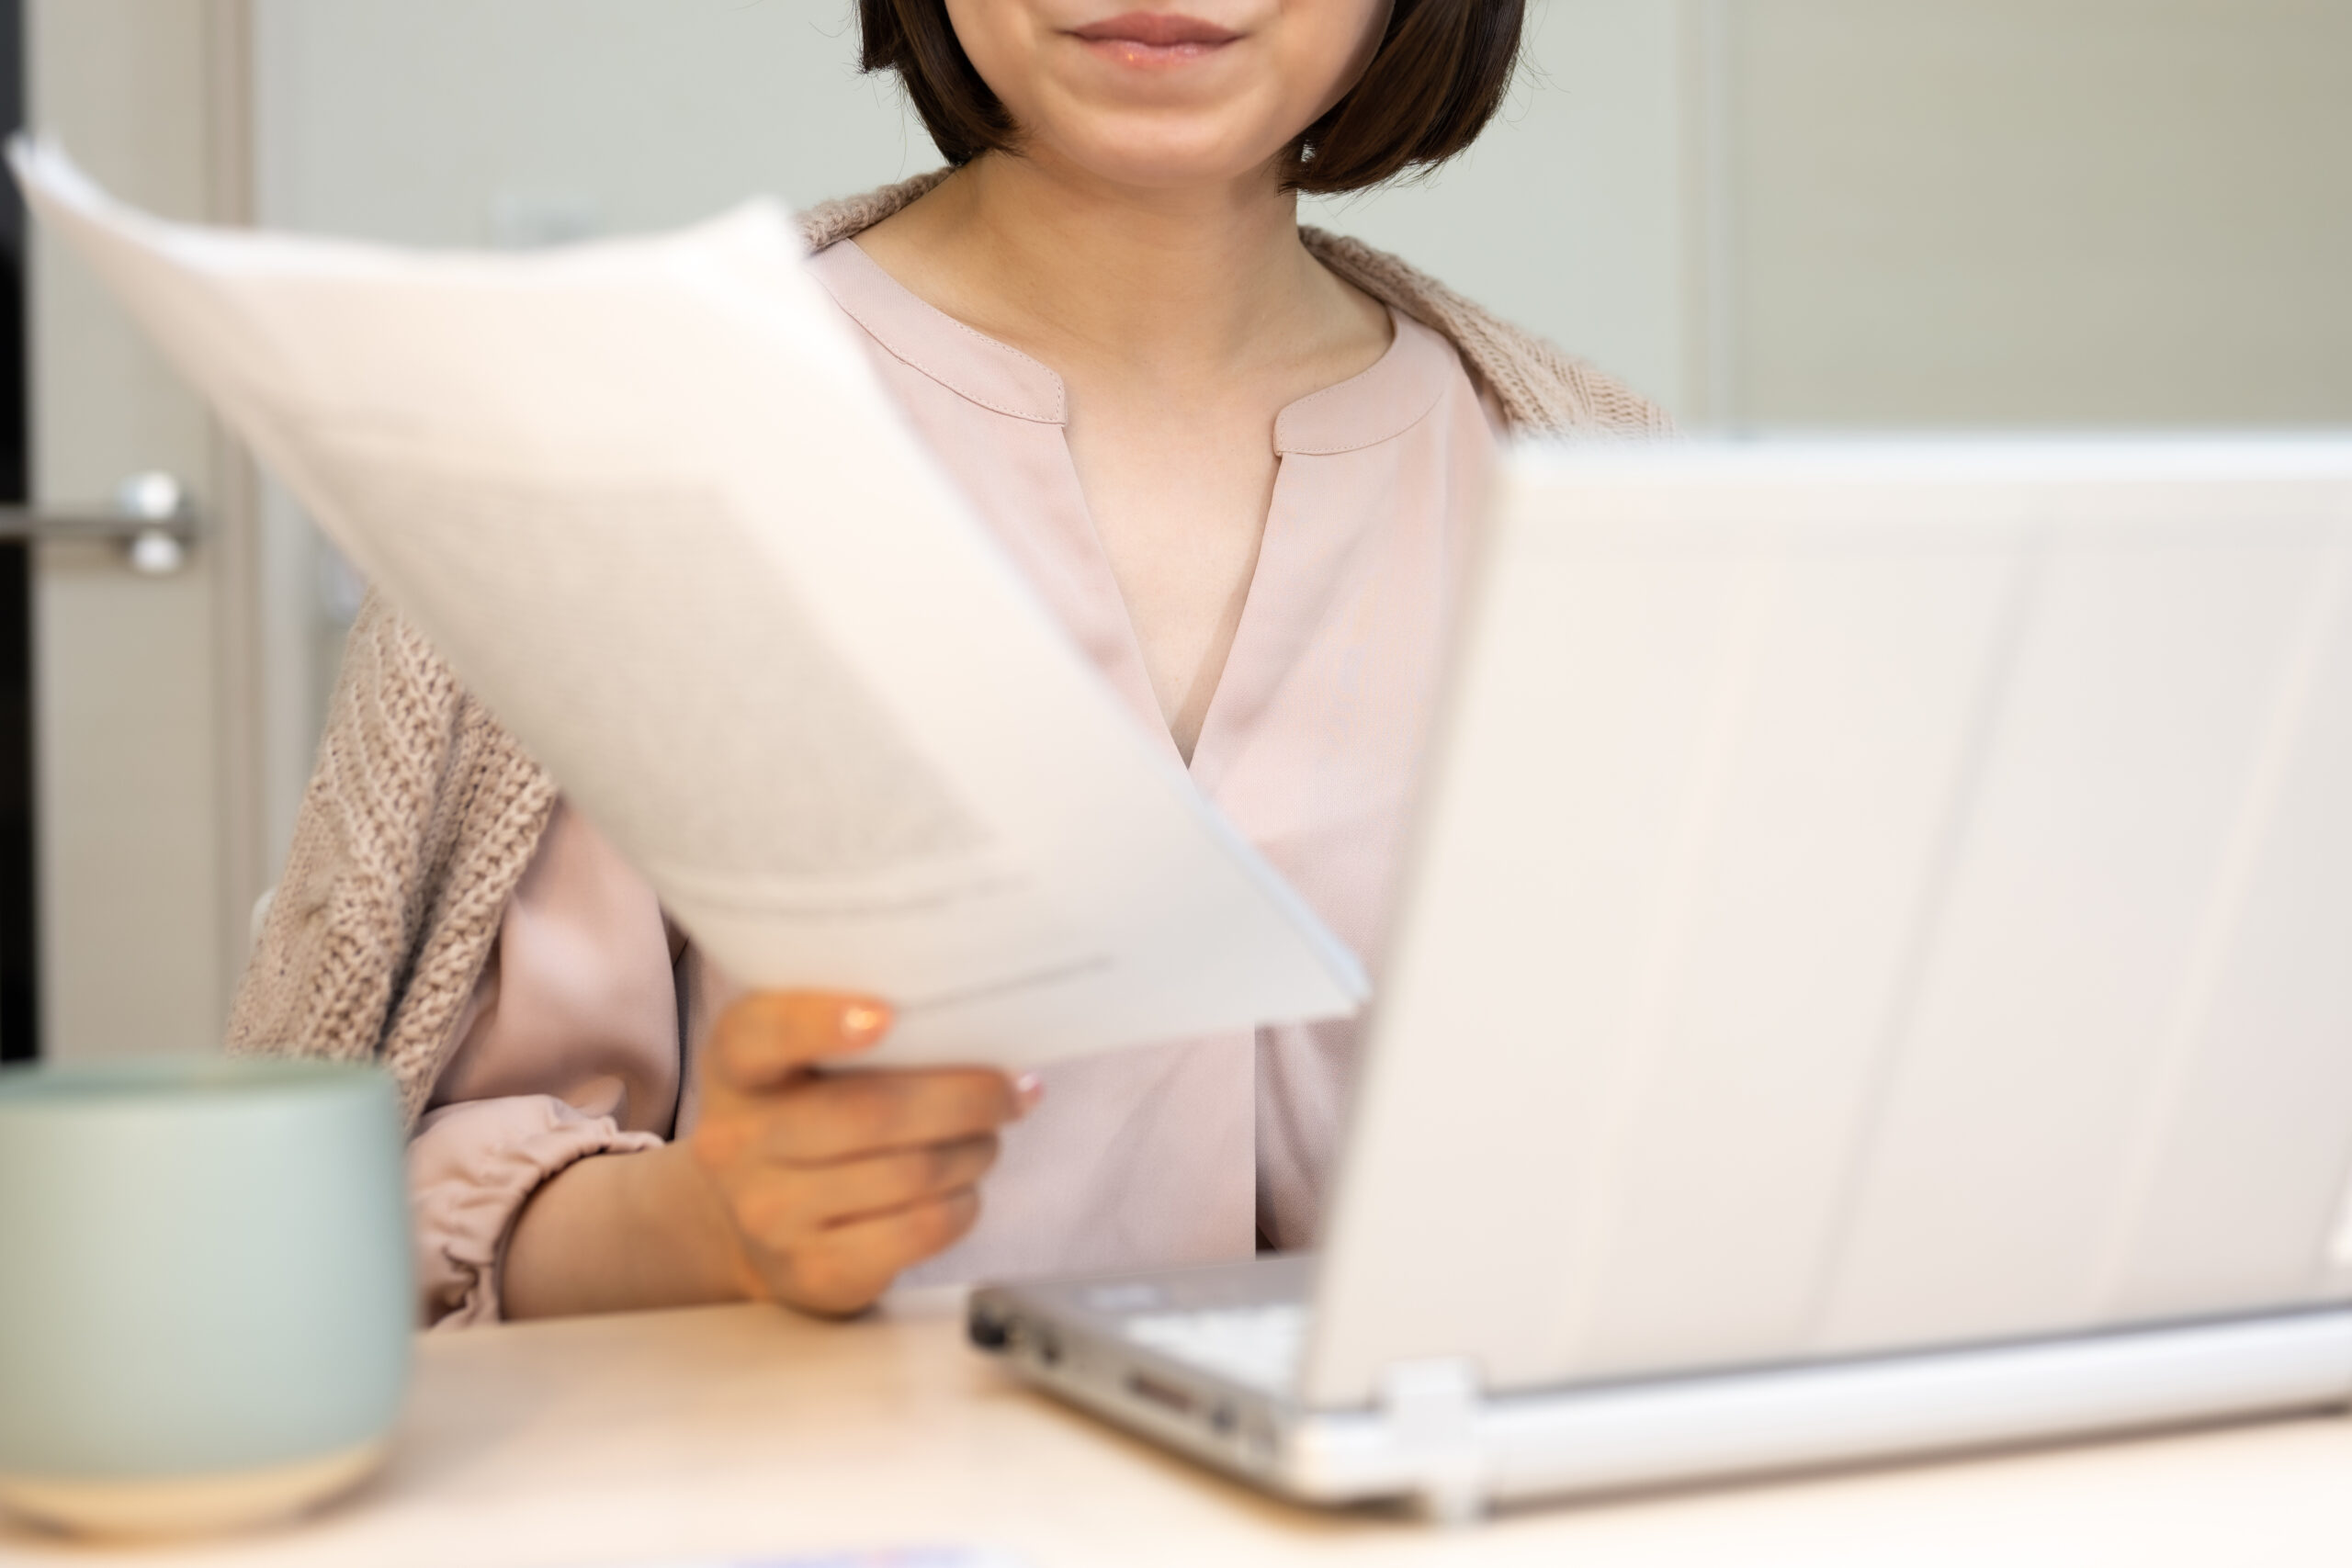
{"type": "Point", "coordinates": [423, 812]}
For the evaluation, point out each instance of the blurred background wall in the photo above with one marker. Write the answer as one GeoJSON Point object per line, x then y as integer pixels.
{"type": "Point", "coordinates": [1764, 212]}
{"type": "Point", "coordinates": [2037, 212]}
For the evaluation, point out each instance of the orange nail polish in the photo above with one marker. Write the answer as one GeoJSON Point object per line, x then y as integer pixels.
{"type": "Point", "coordinates": [862, 1022]}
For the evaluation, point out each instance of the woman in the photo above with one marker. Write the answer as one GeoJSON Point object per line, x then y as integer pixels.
{"type": "Point", "coordinates": [1236, 458]}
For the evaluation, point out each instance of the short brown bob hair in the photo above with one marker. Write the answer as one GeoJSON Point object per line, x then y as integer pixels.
{"type": "Point", "coordinates": [1440, 72]}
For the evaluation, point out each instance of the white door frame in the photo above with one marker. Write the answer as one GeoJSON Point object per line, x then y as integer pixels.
{"type": "Point", "coordinates": [147, 727]}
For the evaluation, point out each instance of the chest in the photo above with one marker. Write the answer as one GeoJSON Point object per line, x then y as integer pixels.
{"type": "Point", "coordinates": [1178, 499]}
{"type": "Point", "coordinates": [1327, 559]}
{"type": "Point", "coordinates": [1338, 569]}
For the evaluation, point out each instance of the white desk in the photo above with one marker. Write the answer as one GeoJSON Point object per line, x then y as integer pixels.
{"type": "Point", "coordinates": [743, 1431]}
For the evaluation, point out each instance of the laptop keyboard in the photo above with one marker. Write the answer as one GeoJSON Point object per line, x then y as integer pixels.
{"type": "Point", "coordinates": [1258, 1347]}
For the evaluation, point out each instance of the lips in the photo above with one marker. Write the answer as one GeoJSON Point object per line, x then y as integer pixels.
{"type": "Point", "coordinates": [1145, 38]}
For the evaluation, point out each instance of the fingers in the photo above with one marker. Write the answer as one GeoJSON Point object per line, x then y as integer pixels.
{"type": "Point", "coordinates": [822, 1121]}
{"type": "Point", "coordinates": [845, 1268]}
{"type": "Point", "coordinates": [783, 1207]}
{"type": "Point", "coordinates": [857, 1115]}
{"type": "Point", "coordinates": [766, 1037]}
{"type": "Point", "coordinates": [835, 1182]}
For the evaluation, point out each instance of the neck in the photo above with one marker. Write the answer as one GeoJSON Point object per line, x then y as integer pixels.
{"type": "Point", "coordinates": [1188, 281]}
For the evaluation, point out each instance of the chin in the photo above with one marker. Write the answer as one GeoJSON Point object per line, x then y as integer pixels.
{"type": "Point", "coordinates": [1163, 151]}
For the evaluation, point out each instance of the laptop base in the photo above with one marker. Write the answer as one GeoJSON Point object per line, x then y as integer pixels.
{"type": "Point", "coordinates": [1437, 1442]}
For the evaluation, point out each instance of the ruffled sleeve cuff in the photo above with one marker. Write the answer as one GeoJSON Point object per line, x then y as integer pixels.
{"type": "Point", "coordinates": [471, 1166]}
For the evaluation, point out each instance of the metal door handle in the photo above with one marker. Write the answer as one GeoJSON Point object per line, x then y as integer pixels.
{"type": "Point", "coordinates": [150, 517]}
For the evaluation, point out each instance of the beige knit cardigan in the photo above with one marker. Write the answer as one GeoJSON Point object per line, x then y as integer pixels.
{"type": "Point", "coordinates": [424, 811]}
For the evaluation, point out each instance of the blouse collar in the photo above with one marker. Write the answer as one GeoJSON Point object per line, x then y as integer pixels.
{"type": "Point", "coordinates": [1375, 405]}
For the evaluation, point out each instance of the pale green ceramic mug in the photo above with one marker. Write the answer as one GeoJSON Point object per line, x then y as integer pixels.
{"type": "Point", "coordinates": [205, 1296]}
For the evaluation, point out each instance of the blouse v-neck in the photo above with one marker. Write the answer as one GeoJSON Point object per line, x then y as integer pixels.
{"type": "Point", "coordinates": [1378, 404]}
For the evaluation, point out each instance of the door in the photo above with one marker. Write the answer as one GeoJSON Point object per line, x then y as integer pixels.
{"type": "Point", "coordinates": [143, 721]}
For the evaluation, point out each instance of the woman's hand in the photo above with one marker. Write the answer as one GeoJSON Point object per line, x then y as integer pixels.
{"type": "Point", "coordinates": [833, 1183]}
{"type": "Point", "coordinates": [798, 1186]}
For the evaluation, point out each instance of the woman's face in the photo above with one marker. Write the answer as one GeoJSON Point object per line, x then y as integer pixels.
{"type": "Point", "coordinates": [1167, 92]}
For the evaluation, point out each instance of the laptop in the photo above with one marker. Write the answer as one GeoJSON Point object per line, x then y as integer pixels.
{"type": "Point", "coordinates": [1873, 978]}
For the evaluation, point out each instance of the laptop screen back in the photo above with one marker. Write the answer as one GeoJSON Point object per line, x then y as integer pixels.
{"type": "Point", "coordinates": [1866, 897]}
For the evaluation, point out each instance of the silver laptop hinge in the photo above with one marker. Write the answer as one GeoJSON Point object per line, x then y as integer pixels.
{"type": "Point", "coordinates": [1432, 1409]}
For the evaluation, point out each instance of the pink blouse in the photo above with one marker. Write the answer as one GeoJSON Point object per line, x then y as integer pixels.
{"type": "Point", "coordinates": [581, 1034]}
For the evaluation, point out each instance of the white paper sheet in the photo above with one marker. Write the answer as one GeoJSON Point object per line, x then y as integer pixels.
{"type": "Point", "coordinates": [650, 500]}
